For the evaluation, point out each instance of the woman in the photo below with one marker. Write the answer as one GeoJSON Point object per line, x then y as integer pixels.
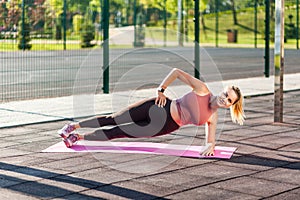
{"type": "Point", "coordinates": [160, 115]}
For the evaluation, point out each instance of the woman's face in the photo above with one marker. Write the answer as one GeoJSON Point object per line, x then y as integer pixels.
{"type": "Point", "coordinates": [226, 98]}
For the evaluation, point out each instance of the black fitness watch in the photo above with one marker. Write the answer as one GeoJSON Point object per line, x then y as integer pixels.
{"type": "Point", "coordinates": [161, 90]}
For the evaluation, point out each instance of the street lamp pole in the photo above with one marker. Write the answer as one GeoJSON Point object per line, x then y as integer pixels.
{"type": "Point", "coordinates": [279, 61]}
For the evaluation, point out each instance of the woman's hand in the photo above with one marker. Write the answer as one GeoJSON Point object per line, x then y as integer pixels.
{"type": "Point", "coordinates": [161, 99]}
{"type": "Point", "coordinates": [209, 150]}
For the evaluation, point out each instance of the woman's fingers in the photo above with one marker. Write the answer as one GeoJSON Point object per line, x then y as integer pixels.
{"type": "Point", "coordinates": [208, 152]}
{"type": "Point", "coordinates": [156, 100]}
{"type": "Point", "coordinates": [163, 102]}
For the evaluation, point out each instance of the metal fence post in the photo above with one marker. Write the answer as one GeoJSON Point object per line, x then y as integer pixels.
{"type": "Point", "coordinates": [179, 21]}
{"type": "Point", "coordinates": [23, 25]}
{"type": "Point", "coordinates": [267, 39]}
{"type": "Point", "coordinates": [255, 24]}
{"type": "Point", "coordinates": [105, 46]}
{"type": "Point", "coordinates": [197, 41]}
{"type": "Point", "coordinates": [297, 23]}
{"type": "Point", "coordinates": [217, 22]}
{"type": "Point", "coordinates": [165, 23]}
{"type": "Point", "coordinates": [134, 22]}
{"type": "Point", "coordinates": [65, 24]}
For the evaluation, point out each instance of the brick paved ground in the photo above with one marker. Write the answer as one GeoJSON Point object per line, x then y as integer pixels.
{"type": "Point", "coordinates": [265, 166]}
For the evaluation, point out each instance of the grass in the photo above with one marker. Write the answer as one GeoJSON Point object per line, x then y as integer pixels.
{"type": "Point", "coordinates": [13, 46]}
{"type": "Point", "coordinates": [245, 28]}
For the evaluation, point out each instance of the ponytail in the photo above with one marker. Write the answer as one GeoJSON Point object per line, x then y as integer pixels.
{"type": "Point", "coordinates": [237, 110]}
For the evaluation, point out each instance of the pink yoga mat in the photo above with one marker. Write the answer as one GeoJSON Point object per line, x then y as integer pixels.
{"type": "Point", "coordinates": [142, 148]}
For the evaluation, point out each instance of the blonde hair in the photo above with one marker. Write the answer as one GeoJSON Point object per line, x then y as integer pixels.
{"type": "Point", "coordinates": [237, 110]}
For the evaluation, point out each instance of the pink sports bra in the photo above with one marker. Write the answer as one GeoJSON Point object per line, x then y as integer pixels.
{"type": "Point", "coordinates": [193, 108]}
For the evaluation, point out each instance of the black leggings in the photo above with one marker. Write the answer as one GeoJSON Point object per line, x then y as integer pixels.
{"type": "Point", "coordinates": [143, 119]}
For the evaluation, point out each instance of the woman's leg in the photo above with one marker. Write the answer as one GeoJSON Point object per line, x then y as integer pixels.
{"type": "Point", "coordinates": [134, 113]}
{"type": "Point", "coordinates": [158, 125]}
{"type": "Point", "coordinates": [158, 122]}
{"type": "Point", "coordinates": [124, 131]}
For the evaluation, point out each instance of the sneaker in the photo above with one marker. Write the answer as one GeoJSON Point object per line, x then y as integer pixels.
{"type": "Point", "coordinates": [66, 130]}
{"type": "Point", "coordinates": [71, 140]}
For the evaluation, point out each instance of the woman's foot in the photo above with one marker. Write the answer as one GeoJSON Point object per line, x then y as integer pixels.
{"type": "Point", "coordinates": [71, 139]}
{"type": "Point", "coordinates": [66, 130]}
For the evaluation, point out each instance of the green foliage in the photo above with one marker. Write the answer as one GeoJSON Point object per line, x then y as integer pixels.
{"type": "Point", "coordinates": [88, 35]}
{"type": "Point", "coordinates": [56, 7]}
{"type": "Point", "coordinates": [77, 23]}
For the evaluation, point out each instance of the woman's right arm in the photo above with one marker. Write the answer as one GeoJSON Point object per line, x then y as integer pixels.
{"type": "Point", "coordinates": [197, 85]}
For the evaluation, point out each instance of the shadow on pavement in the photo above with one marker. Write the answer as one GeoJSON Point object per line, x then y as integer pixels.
{"type": "Point", "coordinates": [43, 190]}
{"type": "Point", "coordinates": [265, 162]}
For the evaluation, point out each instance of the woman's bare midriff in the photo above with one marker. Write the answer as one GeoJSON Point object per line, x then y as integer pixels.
{"type": "Point", "coordinates": [174, 112]}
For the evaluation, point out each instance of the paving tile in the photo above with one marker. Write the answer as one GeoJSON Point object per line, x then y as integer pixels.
{"type": "Point", "coordinates": [44, 189]}
{"type": "Point", "coordinates": [263, 145]}
{"type": "Point", "coordinates": [81, 196]}
{"type": "Point", "coordinates": [256, 119]}
{"type": "Point", "coordinates": [290, 134]}
{"type": "Point", "coordinates": [73, 164]}
{"type": "Point", "coordinates": [6, 152]}
{"type": "Point", "coordinates": [283, 175]}
{"type": "Point", "coordinates": [188, 162]}
{"type": "Point", "coordinates": [54, 126]}
{"type": "Point", "coordinates": [274, 128]}
{"type": "Point", "coordinates": [217, 171]}
{"type": "Point", "coordinates": [14, 195]}
{"type": "Point", "coordinates": [175, 181]}
{"type": "Point", "coordinates": [247, 132]}
{"type": "Point", "coordinates": [6, 181]}
{"type": "Point", "coordinates": [253, 162]}
{"type": "Point", "coordinates": [24, 160]}
{"type": "Point", "coordinates": [142, 164]}
{"type": "Point", "coordinates": [127, 190]}
{"type": "Point", "coordinates": [247, 148]}
{"type": "Point", "coordinates": [58, 156]}
{"type": "Point", "coordinates": [6, 144]}
{"type": "Point", "coordinates": [250, 185]}
{"type": "Point", "coordinates": [211, 193]}
{"type": "Point", "coordinates": [10, 132]}
{"type": "Point", "coordinates": [291, 147]}
{"type": "Point", "coordinates": [286, 196]}
{"type": "Point", "coordinates": [295, 165]}
{"type": "Point", "coordinates": [275, 139]}
{"type": "Point", "coordinates": [103, 176]}
{"type": "Point", "coordinates": [275, 158]}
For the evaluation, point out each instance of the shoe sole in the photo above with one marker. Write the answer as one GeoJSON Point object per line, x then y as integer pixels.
{"type": "Point", "coordinates": [61, 134]}
{"type": "Point", "coordinates": [67, 143]}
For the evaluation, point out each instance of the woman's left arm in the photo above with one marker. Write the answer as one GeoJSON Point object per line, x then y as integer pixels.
{"type": "Point", "coordinates": [197, 85]}
{"type": "Point", "coordinates": [210, 134]}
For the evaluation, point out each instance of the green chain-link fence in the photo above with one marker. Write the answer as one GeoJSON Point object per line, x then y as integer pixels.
{"type": "Point", "coordinates": [45, 28]}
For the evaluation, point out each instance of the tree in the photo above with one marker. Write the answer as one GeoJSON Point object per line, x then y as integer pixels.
{"type": "Point", "coordinates": [36, 14]}
{"type": "Point", "coordinates": [235, 21]}
{"type": "Point", "coordinates": [88, 35]}
{"type": "Point", "coordinates": [55, 11]}
{"type": "Point", "coordinates": [88, 31]}
{"type": "Point", "coordinates": [13, 13]}
{"type": "Point", "coordinates": [3, 13]}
